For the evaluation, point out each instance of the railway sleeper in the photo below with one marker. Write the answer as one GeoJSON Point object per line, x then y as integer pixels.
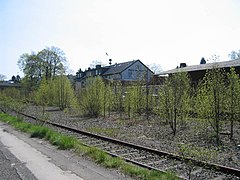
{"type": "Point", "coordinates": [129, 154]}
{"type": "Point", "coordinates": [149, 159]}
{"type": "Point", "coordinates": [93, 143]}
{"type": "Point", "coordinates": [140, 158]}
{"type": "Point", "coordinates": [173, 166]}
{"type": "Point", "coordinates": [102, 144]}
{"type": "Point", "coordinates": [119, 151]}
{"type": "Point", "coordinates": [82, 138]}
{"type": "Point", "coordinates": [197, 171]}
{"type": "Point", "coordinates": [108, 148]}
{"type": "Point", "coordinates": [165, 165]}
{"type": "Point", "coordinates": [156, 162]}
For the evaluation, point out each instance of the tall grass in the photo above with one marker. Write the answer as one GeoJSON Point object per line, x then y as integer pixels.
{"type": "Point", "coordinates": [68, 142]}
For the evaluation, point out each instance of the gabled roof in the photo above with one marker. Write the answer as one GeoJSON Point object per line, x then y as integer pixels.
{"type": "Point", "coordinates": [200, 67]}
{"type": "Point", "coordinates": [118, 68]}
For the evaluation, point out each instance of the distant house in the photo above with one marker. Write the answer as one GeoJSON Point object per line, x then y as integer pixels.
{"type": "Point", "coordinates": [197, 72]}
{"type": "Point", "coordinates": [126, 71]}
{"type": "Point", "coordinates": [9, 84]}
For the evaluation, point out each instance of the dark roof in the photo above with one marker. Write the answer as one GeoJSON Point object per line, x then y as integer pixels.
{"type": "Point", "coordinates": [118, 68]}
{"type": "Point", "coordinates": [9, 84]}
{"type": "Point", "coordinates": [200, 67]}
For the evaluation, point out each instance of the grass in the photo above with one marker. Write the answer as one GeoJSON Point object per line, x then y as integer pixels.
{"type": "Point", "coordinates": [68, 142]}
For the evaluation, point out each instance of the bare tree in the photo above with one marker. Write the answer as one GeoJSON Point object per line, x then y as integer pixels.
{"type": "Point", "coordinates": [2, 77]}
{"type": "Point", "coordinates": [96, 62]}
{"type": "Point", "coordinates": [234, 55]}
{"type": "Point", "coordinates": [156, 68]}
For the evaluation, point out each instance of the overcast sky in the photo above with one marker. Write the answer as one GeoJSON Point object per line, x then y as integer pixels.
{"type": "Point", "coordinates": [165, 32]}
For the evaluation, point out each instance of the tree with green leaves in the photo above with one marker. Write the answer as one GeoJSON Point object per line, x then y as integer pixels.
{"type": "Point", "coordinates": [32, 68]}
{"type": "Point", "coordinates": [91, 98]}
{"type": "Point", "coordinates": [42, 95]}
{"type": "Point", "coordinates": [165, 101]}
{"type": "Point", "coordinates": [53, 60]}
{"type": "Point", "coordinates": [131, 100]}
{"type": "Point", "coordinates": [108, 98]}
{"type": "Point", "coordinates": [233, 98]}
{"type": "Point", "coordinates": [118, 94]}
{"type": "Point", "coordinates": [174, 99]}
{"type": "Point", "coordinates": [211, 99]}
{"type": "Point", "coordinates": [48, 63]}
{"type": "Point", "coordinates": [140, 96]}
{"type": "Point", "coordinates": [62, 92]}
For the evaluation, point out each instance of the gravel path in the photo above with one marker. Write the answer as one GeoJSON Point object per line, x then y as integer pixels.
{"type": "Point", "coordinates": [154, 133]}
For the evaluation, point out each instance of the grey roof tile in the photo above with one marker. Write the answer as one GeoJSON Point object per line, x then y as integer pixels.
{"type": "Point", "coordinates": [118, 68]}
{"type": "Point", "coordinates": [223, 64]}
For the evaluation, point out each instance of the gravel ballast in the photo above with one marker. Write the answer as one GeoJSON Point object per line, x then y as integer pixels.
{"type": "Point", "coordinates": [154, 133]}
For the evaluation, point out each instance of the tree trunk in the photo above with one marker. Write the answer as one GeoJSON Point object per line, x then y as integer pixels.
{"type": "Point", "coordinates": [175, 122]}
{"type": "Point", "coordinates": [231, 131]}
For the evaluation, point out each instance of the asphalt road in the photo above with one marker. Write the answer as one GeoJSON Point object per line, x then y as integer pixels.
{"type": "Point", "coordinates": [11, 168]}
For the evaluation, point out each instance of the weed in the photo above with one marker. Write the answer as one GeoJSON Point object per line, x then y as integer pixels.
{"type": "Point", "coordinates": [39, 131]}
{"type": "Point", "coordinates": [68, 142]}
{"type": "Point", "coordinates": [22, 126]}
{"type": "Point", "coordinates": [113, 163]}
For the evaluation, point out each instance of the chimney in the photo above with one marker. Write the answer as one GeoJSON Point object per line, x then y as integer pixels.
{"type": "Point", "coordinates": [98, 66]}
{"type": "Point", "coordinates": [203, 61]}
{"type": "Point", "coordinates": [183, 65]}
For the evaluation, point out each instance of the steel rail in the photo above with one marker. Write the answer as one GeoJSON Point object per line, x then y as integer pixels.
{"type": "Point", "coordinates": [216, 167]}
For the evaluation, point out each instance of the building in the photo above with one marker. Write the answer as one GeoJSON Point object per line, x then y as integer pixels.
{"type": "Point", "coordinates": [197, 72]}
{"type": "Point", "coordinates": [9, 84]}
{"type": "Point", "coordinates": [126, 71]}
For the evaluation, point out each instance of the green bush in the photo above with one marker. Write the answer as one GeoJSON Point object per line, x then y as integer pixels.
{"type": "Point", "coordinates": [39, 131]}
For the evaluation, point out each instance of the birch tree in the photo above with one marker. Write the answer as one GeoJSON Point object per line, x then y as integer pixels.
{"type": "Point", "coordinates": [211, 98]}
{"type": "Point", "coordinates": [233, 98]}
{"type": "Point", "coordinates": [175, 98]}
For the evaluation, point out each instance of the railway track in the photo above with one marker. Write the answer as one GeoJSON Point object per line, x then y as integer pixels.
{"type": "Point", "coordinates": [185, 168]}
